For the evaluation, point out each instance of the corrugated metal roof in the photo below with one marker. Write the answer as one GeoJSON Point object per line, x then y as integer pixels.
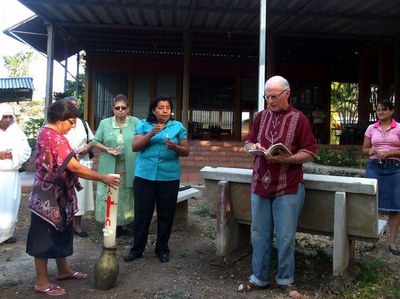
{"type": "Point", "coordinates": [17, 83]}
{"type": "Point", "coordinates": [33, 31]}
{"type": "Point", "coordinates": [310, 31]}
{"type": "Point", "coordinates": [16, 89]}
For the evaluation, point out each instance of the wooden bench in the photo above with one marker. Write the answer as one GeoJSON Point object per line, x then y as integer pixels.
{"type": "Point", "coordinates": [343, 207]}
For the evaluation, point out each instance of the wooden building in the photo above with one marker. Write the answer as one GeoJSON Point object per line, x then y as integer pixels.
{"type": "Point", "coordinates": [206, 54]}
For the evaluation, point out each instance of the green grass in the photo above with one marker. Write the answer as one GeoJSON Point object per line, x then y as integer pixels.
{"type": "Point", "coordinates": [372, 284]}
{"type": "Point", "coordinates": [376, 281]}
{"type": "Point", "coordinates": [370, 278]}
{"type": "Point", "coordinates": [202, 211]}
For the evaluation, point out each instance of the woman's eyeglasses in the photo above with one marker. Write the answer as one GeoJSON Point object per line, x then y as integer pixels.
{"type": "Point", "coordinates": [120, 107]}
{"type": "Point", "coordinates": [71, 122]}
{"type": "Point", "coordinates": [382, 109]}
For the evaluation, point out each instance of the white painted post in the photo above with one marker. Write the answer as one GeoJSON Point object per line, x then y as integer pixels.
{"type": "Point", "coordinates": [224, 214]}
{"type": "Point", "coordinates": [341, 250]}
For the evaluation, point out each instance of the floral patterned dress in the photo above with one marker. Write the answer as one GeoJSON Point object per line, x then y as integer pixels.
{"type": "Point", "coordinates": [53, 200]}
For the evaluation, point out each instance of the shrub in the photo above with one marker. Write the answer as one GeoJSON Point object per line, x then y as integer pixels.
{"type": "Point", "coordinates": [346, 157]}
{"type": "Point", "coordinates": [31, 130]}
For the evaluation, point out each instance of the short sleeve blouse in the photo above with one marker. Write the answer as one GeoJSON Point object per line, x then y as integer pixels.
{"type": "Point", "coordinates": [384, 141]}
{"type": "Point", "coordinates": [156, 162]}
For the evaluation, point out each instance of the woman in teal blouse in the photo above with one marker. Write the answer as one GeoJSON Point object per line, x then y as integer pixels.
{"type": "Point", "coordinates": [160, 141]}
{"type": "Point", "coordinates": [114, 138]}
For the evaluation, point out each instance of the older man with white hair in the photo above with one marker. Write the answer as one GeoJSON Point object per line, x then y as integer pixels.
{"type": "Point", "coordinates": [277, 190]}
{"type": "Point", "coordinates": [14, 151]}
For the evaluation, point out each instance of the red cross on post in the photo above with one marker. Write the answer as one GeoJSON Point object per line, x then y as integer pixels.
{"type": "Point", "coordinates": [110, 225]}
{"type": "Point", "coordinates": [109, 203]}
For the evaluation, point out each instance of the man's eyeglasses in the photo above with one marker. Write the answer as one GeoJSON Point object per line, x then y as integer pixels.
{"type": "Point", "coordinates": [72, 122]}
{"type": "Point", "coordinates": [120, 107]}
{"type": "Point", "coordinates": [273, 96]}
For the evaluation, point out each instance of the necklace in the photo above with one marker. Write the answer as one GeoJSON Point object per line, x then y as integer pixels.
{"type": "Point", "coordinates": [385, 135]}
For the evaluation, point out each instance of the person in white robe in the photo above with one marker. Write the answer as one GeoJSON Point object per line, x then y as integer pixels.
{"type": "Point", "coordinates": [14, 151]}
{"type": "Point", "coordinates": [81, 142]}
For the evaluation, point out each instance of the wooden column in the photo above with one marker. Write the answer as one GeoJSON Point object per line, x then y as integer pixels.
{"type": "Point", "coordinates": [78, 56]}
{"type": "Point", "coordinates": [271, 45]}
{"type": "Point", "coordinates": [397, 80]}
{"type": "Point", "coordinates": [324, 96]}
{"type": "Point", "coordinates": [186, 77]}
{"type": "Point", "coordinates": [50, 63]}
{"type": "Point", "coordinates": [178, 104]}
{"type": "Point", "coordinates": [131, 82]}
{"type": "Point", "coordinates": [66, 65]}
{"type": "Point", "coordinates": [90, 91]}
{"type": "Point", "coordinates": [385, 70]}
{"type": "Point", "coordinates": [364, 87]}
{"type": "Point", "coordinates": [237, 115]}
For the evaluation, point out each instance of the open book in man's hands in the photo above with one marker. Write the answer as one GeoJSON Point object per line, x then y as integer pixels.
{"type": "Point", "coordinates": [272, 150]}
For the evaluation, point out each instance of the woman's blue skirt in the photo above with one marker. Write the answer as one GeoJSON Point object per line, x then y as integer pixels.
{"type": "Point", "coordinates": [387, 172]}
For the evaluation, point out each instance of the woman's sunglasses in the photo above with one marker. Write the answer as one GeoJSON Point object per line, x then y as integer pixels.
{"type": "Point", "coordinates": [120, 107]}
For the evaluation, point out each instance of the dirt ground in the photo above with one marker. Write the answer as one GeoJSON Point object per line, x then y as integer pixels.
{"type": "Point", "coordinates": [194, 271]}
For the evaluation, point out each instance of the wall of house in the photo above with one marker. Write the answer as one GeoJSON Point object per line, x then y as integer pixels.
{"type": "Point", "coordinates": [303, 79]}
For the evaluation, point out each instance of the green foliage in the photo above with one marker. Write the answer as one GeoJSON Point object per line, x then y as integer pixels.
{"type": "Point", "coordinates": [31, 130]}
{"type": "Point", "coordinates": [374, 282]}
{"type": "Point", "coordinates": [346, 157]}
{"type": "Point", "coordinates": [18, 64]}
{"type": "Point", "coordinates": [71, 90]}
{"type": "Point", "coordinates": [344, 102]}
{"type": "Point", "coordinates": [32, 127]}
{"type": "Point", "coordinates": [365, 278]}
{"type": "Point", "coordinates": [369, 275]}
{"type": "Point", "coordinates": [30, 109]}
{"type": "Point", "coordinates": [30, 118]}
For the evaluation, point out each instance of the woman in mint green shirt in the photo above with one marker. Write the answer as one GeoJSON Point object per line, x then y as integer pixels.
{"type": "Point", "coordinates": [160, 141]}
{"type": "Point", "coordinates": [114, 138]}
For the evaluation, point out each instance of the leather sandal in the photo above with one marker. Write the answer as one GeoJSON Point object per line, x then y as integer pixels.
{"type": "Point", "coordinates": [249, 287]}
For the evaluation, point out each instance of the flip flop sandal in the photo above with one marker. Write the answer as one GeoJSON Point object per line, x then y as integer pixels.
{"type": "Point", "coordinates": [290, 291]}
{"type": "Point", "coordinates": [76, 275]}
{"type": "Point", "coordinates": [249, 287]}
{"type": "Point", "coordinates": [53, 290]}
